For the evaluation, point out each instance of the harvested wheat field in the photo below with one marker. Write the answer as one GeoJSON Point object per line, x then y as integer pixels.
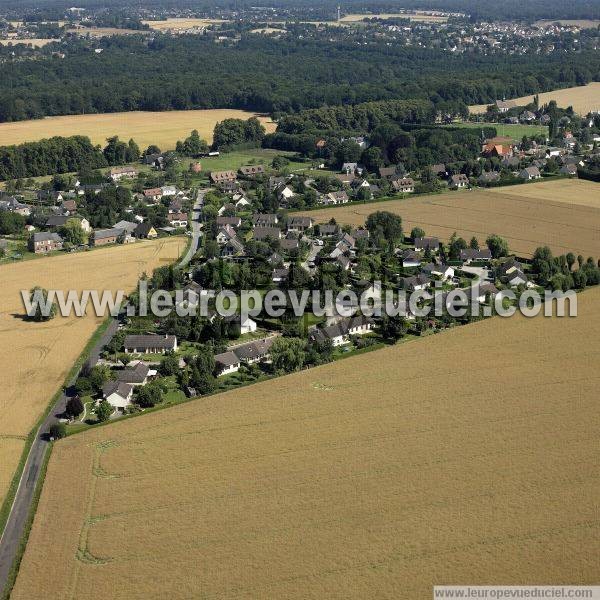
{"type": "Point", "coordinates": [36, 357]}
{"type": "Point", "coordinates": [35, 42]}
{"type": "Point", "coordinates": [359, 479]}
{"type": "Point", "coordinates": [562, 214]}
{"type": "Point", "coordinates": [413, 16]}
{"type": "Point", "coordinates": [161, 128]}
{"type": "Point", "coordinates": [583, 99]}
{"type": "Point", "coordinates": [177, 23]}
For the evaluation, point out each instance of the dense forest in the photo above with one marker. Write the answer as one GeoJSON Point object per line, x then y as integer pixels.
{"type": "Point", "coordinates": [480, 9]}
{"type": "Point", "coordinates": [268, 75]}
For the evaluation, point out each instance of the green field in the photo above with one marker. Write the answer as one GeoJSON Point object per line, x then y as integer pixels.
{"type": "Point", "coordinates": [232, 161]}
{"type": "Point", "coordinates": [504, 129]}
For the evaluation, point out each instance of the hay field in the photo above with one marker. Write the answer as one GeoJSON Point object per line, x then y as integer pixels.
{"type": "Point", "coordinates": [583, 99]}
{"type": "Point", "coordinates": [413, 16]}
{"type": "Point", "coordinates": [35, 42]}
{"type": "Point", "coordinates": [161, 128]}
{"type": "Point", "coordinates": [366, 478]}
{"type": "Point", "coordinates": [582, 23]}
{"type": "Point", "coordinates": [562, 214]}
{"type": "Point", "coordinates": [174, 24]}
{"type": "Point", "coordinates": [36, 357]}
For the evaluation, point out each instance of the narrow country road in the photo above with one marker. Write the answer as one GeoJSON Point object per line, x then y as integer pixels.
{"type": "Point", "coordinates": [15, 525]}
{"type": "Point", "coordinates": [196, 228]}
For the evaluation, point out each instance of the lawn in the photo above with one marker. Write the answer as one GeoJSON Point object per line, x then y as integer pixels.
{"type": "Point", "coordinates": [232, 161]}
{"type": "Point", "coordinates": [516, 132]}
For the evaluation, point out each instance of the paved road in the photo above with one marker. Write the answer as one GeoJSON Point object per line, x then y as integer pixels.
{"type": "Point", "coordinates": [15, 526]}
{"type": "Point", "coordinates": [196, 228]}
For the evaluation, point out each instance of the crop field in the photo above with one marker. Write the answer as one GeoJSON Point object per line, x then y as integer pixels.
{"type": "Point", "coordinates": [180, 23]}
{"type": "Point", "coordinates": [582, 23]}
{"type": "Point", "coordinates": [583, 99]}
{"type": "Point", "coordinates": [562, 214]}
{"type": "Point", "coordinates": [36, 357]}
{"type": "Point", "coordinates": [359, 479]}
{"type": "Point", "coordinates": [35, 42]}
{"type": "Point", "coordinates": [161, 128]}
{"type": "Point", "coordinates": [413, 16]}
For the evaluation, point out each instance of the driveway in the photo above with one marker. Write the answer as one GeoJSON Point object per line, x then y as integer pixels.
{"type": "Point", "coordinates": [196, 228]}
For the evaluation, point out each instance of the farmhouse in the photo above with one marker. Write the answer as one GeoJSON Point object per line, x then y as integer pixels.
{"type": "Point", "coordinates": [218, 177]}
{"type": "Point", "coordinates": [150, 344]}
{"type": "Point", "coordinates": [252, 170]}
{"type": "Point", "coordinates": [42, 243]}
{"type": "Point", "coordinates": [338, 334]}
{"type": "Point", "coordinates": [340, 197]}
{"type": "Point", "coordinates": [118, 173]}
{"type": "Point", "coordinates": [145, 231]}
{"type": "Point", "coordinates": [505, 105]}
{"type": "Point", "coordinates": [406, 185]}
{"type": "Point", "coordinates": [234, 222]}
{"type": "Point", "coordinates": [56, 221]}
{"type": "Point", "coordinates": [459, 181]}
{"type": "Point", "coordinates": [153, 194]}
{"type": "Point", "coordinates": [264, 220]}
{"type": "Point", "coordinates": [178, 219]}
{"type": "Point", "coordinates": [101, 237]}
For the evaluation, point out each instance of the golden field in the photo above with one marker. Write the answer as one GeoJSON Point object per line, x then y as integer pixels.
{"type": "Point", "coordinates": [562, 214]}
{"type": "Point", "coordinates": [583, 99]}
{"type": "Point", "coordinates": [365, 478]}
{"type": "Point", "coordinates": [35, 42]}
{"type": "Point", "coordinates": [161, 128]}
{"type": "Point", "coordinates": [582, 23]}
{"type": "Point", "coordinates": [413, 16]}
{"type": "Point", "coordinates": [36, 357]}
{"type": "Point", "coordinates": [180, 23]}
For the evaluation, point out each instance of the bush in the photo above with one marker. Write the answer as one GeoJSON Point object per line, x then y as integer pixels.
{"type": "Point", "coordinates": [58, 431]}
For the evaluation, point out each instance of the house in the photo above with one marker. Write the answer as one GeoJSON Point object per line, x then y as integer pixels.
{"type": "Point", "coordinates": [227, 363]}
{"type": "Point", "coordinates": [491, 150]}
{"type": "Point", "coordinates": [232, 248]}
{"type": "Point", "coordinates": [264, 220]}
{"type": "Point", "coordinates": [406, 185]}
{"type": "Point", "coordinates": [299, 224]}
{"type": "Point", "coordinates": [225, 233]}
{"type": "Point", "coordinates": [289, 244]}
{"type": "Point", "coordinates": [279, 275]}
{"type": "Point", "coordinates": [427, 243]}
{"type": "Point", "coordinates": [118, 173]}
{"type": "Point", "coordinates": [178, 219]}
{"type": "Point", "coordinates": [444, 272]}
{"type": "Point", "coordinates": [390, 172]}
{"type": "Point", "coordinates": [410, 259]}
{"type": "Point", "coordinates": [529, 173]}
{"type": "Point", "coordinates": [439, 170]}
{"type": "Point", "coordinates": [127, 226]}
{"type": "Point", "coordinates": [260, 234]}
{"type": "Point", "coordinates": [233, 222]}
{"type": "Point", "coordinates": [240, 201]}
{"type": "Point", "coordinates": [102, 237]}
{"type": "Point", "coordinates": [339, 333]}
{"type": "Point", "coordinates": [469, 255]}
{"type": "Point", "coordinates": [117, 394]}
{"type": "Point", "coordinates": [68, 207]}
{"type": "Point", "coordinates": [145, 231]}
{"type": "Point", "coordinates": [516, 278]}
{"type": "Point", "coordinates": [346, 244]}
{"type": "Point", "coordinates": [254, 352]}
{"type": "Point", "coordinates": [228, 207]}
{"type": "Point", "coordinates": [14, 206]}
{"type": "Point", "coordinates": [252, 170]}
{"type": "Point", "coordinates": [137, 374]}
{"type": "Point", "coordinates": [345, 178]}
{"type": "Point", "coordinates": [238, 327]}
{"type": "Point", "coordinates": [415, 283]}
{"type": "Point", "coordinates": [505, 105]}
{"type": "Point", "coordinates": [507, 267]}
{"type": "Point", "coordinates": [488, 177]}
{"type": "Point", "coordinates": [153, 194]}
{"type": "Point", "coordinates": [56, 221]}
{"type": "Point", "coordinates": [459, 181]}
{"type": "Point", "coordinates": [285, 193]}
{"type": "Point", "coordinates": [50, 196]}
{"type": "Point", "coordinates": [328, 230]}
{"type": "Point", "coordinates": [218, 177]}
{"type": "Point", "coordinates": [44, 242]}
{"type": "Point", "coordinates": [343, 261]}
{"type": "Point", "coordinates": [485, 291]}
{"type": "Point", "coordinates": [349, 167]}
{"type": "Point", "coordinates": [360, 234]}
{"type": "Point", "coordinates": [150, 344]}
{"type": "Point", "coordinates": [569, 169]}
{"type": "Point", "coordinates": [340, 197]}
{"type": "Point", "coordinates": [527, 116]}
{"type": "Point", "coordinates": [168, 191]}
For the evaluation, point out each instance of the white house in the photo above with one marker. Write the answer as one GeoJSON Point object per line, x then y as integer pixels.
{"type": "Point", "coordinates": [444, 272]}
{"type": "Point", "coordinates": [227, 363]}
{"type": "Point", "coordinates": [118, 394]}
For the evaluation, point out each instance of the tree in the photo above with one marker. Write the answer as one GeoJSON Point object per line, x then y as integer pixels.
{"type": "Point", "coordinates": [99, 375]}
{"type": "Point", "coordinates": [387, 224]}
{"type": "Point", "coordinates": [192, 145]}
{"type": "Point", "coordinates": [372, 159]}
{"type": "Point", "coordinates": [474, 243]}
{"type": "Point", "coordinates": [280, 162]}
{"type": "Point", "coordinates": [169, 365]}
{"type": "Point", "coordinates": [417, 232]}
{"type": "Point", "coordinates": [570, 260]}
{"type": "Point", "coordinates": [58, 431]}
{"type": "Point", "coordinates": [148, 395]}
{"type": "Point", "coordinates": [11, 223]}
{"type": "Point", "coordinates": [288, 354]}
{"type": "Point", "coordinates": [455, 245]}
{"type": "Point", "coordinates": [346, 152]}
{"type": "Point", "coordinates": [74, 407]}
{"type": "Point", "coordinates": [497, 246]}
{"type": "Point", "coordinates": [394, 327]}
{"type": "Point", "coordinates": [202, 369]}
{"type": "Point", "coordinates": [72, 232]}
{"type": "Point", "coordinates": [41, 307]}
{"type": "Point", "coordinates": [104, 411]}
